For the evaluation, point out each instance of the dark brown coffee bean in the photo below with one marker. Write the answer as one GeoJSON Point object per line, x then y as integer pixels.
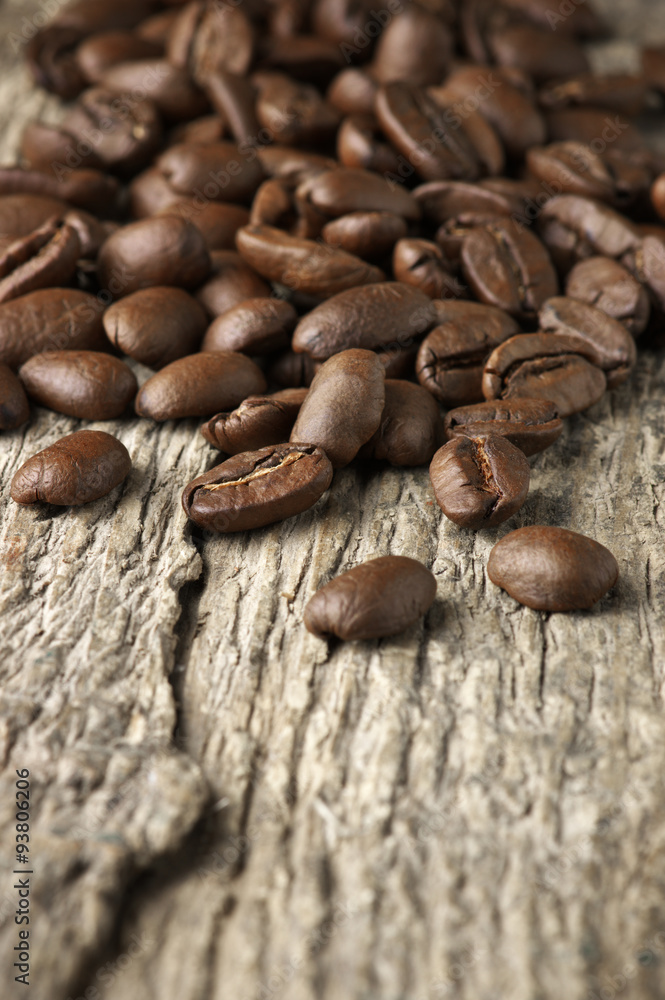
{"type": "Point", "coordinates": [506, 266]}
{"type": "Point", "coordinates": [303, 265]}
{"type": "Point", "coordinates": [482, 136]}
{"type": "Point", "coordinates": [622, 92]}
{"type": "Point", "coordinates": [342, 21]}
{"type": "Point", "coordinates": [605, 284]}
{"type": "Point", "coordinates": [162, 250]}
{"type": "Point", "coordinates": [231, 282]}
{"type": "Point", "coordinates": [50, 319]}
{"type": "Point", "coordinates": [167, 86]}
{"type": "Point", "coordinates": [259, 421]}
{"type": "Point", "coordinates": [544, 366]}
{"type": "Point", "coordinates": [217, 222]}
{"type": "Point", "coordinates": [84, 384]}
{"type": "Point", "coordinates": [77, 469]}
{"type": "Point", "coordinates": [293, 370]}
{"type": "Point", "coordinates": [530, 424]}
{"type": "Point", "coordinates": [353, 92]}
{"type": "Point", "coordinates": [479, 482]}
{"type": "Point", "coordinates": [129, 131]}
{"type": "Point", "coordinates": [199, 132]}
{"type": "Point", "coordinates": [410, 428]}
{"type": "Point", "coordinates": [303, 57]}
{"type": "Point", "coordinates": [156, 325]}
{"type": "Point", "coordinates": [415, 47]}
{"type": "Point", "coordinates": [91, 232]}
{"type": "Point", "coordinates": [574, 168]}
{"type": "Point", "coordinates": [222, 42]}
{"type": "Point", "coordinates": [234, 98]}
{"type": "Point", "coordinates": [360, 144]}
{"type": "Point", "coordinates": [591, 125]}
{"type": "Point", "coordinates": [658, 195]}
{"type": "Point", "coordinates": [45, 259]}
{"type": "Point", "coordinates": [648, 267]}
{"type": "Point", "coordinates": [575, 228]}
{"type": "Point", "coordinates": [444, 200]}
{"type": "Point", "coordinates": [370, 235]}
{"type": "Point", "coordinates": [539, 52]}
{"type": "Point", "coordinates": [216, 172]}
{"type": "Point", "coordinates": [21, 214]}
{"type": "Point", "coordinates": [451, 358]}
{"type": "Point", "coordinates": [552, 569]}
{"type": "Point", "coordinates": [338, 192]}
{"type": "Point", "coordinates": [257, 488]}
{"type": "Point", "coordinates": [43, 145]}
{"type": "Point", "coordinates": [255, 326]}
{"type": "Point", "coordinates": [421, 263]}
{"type": "Point", "coordinates": [282, 161]}
{"type": "Point", "coordinates": [150, 193]}
{"type": "Point", "coordinates": [343, 406]}
{"type": "Point", "coordinates": [273, 205]}
{"type": "Point", "coordinates": [14, 406]}
{"type": "Point", "coordinates": [100, 52]}
{"type": "Point", "coordinates": [378, 598]}
{"type": "Point", "coordinates": [89, 189]}
{"type": "Point", "coordinates": [292, 112]}
{"type": "Point", "coordinates": [373, 317]}
{"type": "Point", "coordinates": [199, 385]}
{"type": "Point", "coordinates": [50, 55]}
{"type": "Point", "coordinates": [602, 340]}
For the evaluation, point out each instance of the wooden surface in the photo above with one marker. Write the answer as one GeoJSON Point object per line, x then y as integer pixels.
{"type": "Point", "coordinates": [226, 808]}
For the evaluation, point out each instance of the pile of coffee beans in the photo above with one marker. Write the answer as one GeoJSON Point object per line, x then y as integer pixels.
{"type": "Point", "coordinates": [422, 234]}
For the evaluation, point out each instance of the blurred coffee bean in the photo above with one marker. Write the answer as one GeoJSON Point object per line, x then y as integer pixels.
{"type": "Point", "coordinates": [410, 428]}
{"type": "Point", "coordinates": [258, 422]}
{"type": "Point", "coordinates": [605, 284]}
{"type": "Point", "coordinates": [156, 325]}
{"type": "Point", "coordinates": [199, 132]}
{"type": "Point", "coordinates": [285, 162]}
{"type": "Point", "coordinates": [303, 57]}
{"type": "Point", "coordinates": [370, 235]}
{"type": "Point", "coordinates": [218, 222]}
{"type": "Point", "coordinates": [89, 189]}
{"type": "Point", "coordinates": [293, 370]}
{"type": "Point", "coordinates": [216, 172]}
{"type": "Point", "coordinates": [168, 87]}
{"type": "Point", "coordinates": [574, 228]}
{"type": "Point", "coordinates": [421, 263]}
{"type": "Point", "coordinates": [156, 28]}
{"type": "Point", "coordinates": [255, 327]}
{"type": "Point", "coordinates": [231, 281]}
{"type": "Point", "coordinates": [44, 259]}
{"type": "Point", "coordinates": [84, 384]}
{"type": "Point", "coordinates": [353, 91]}
{"type": "Point", "coordinates": [539, 52]}
{"type": "Point", "coordinates": [162, 250]}
{"type": "Point", "coordinates": [199, 385]}
{"type": "Point", "coordinates": [131, 132]}
{"type": "Point", "coordinates": [360, 144]}
{"type": "Point", "coordinates": [530, 424]}
{"type": "Point", "coordinates": [50, 319]}
{"type": "Point", "coordinates": [602, 340]}
{"type": "Point", "coordinates": [14, 406]}
{"type": "Point", "coordinates": [338, 192]}
{"type": "Point", "coordinates": [212, 38]}
{"type": "Point", "coordinates": [594, 127]}
{"type": "Point", "coordinates": [415, 47]}
{"type": "Point", "coordinates": [234, 98]}
{"type": "Point", "coordinates": [625, 93]}
{"type": "Point", "coordinates": [44, 145]}
{"type": "Point", "coordinates": [573, 168]}
{"type": "Point", "coordinates": [100, 52]}
{"type": "Point", "coordinates": [292, 112]}
{"type": "Point", "coordinates": [444, 200]}
{"type": "Point", "coordinates": [21, 214]}
{"type": "Point", "coordinates": [653, 66]}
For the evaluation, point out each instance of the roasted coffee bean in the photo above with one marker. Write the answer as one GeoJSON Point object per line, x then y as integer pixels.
{"type": "Point", "coordinates": [582, 21]}
{"type": "Point", "coordinates": [373, 317]}
{"type": "Point", "coordinates": [623, 92]}
{"type": "Point", "coordinates": [539, 52]}
{"type": "Point", "coordinates": [353, 92]}
{"type": "Point", "coordinates": [552, 569]}
{"type": "Point", "coordinates": [156, 325]}
{"type": "Point", "coordinates": [658, 195]}
{"type": "Point", "coordinates": [14, 406]}
{"type": "Point", "coordinates": [166, 85]}
{"type": "Point", "coordinates": [43, 145]}
{"type": "Point", "coordinates": [360, 144]}
{"type": "Point", "coordinates": [303, 265]}
{"type": "Point", "coordinates": [50, 55]}
{"type": "Point", "coordinates": [283, 161]}
{"type": "Point", "coordinates": [370, 235]}
{"type": "Point", "coordinates": [343, 406]}
{"type": "Point", "coordinates": [338, 192]}
{"type": "Point", "coordinates": [410, 428]}
{"type": "Point", "coordinates": [149, 193]}
{"type": "Point", "coordinates": [593, 125]}
{"type": "Point", "coordinates": [482, 136]}
{"type": "Point", "coordinates": [47, 320]}
{"type": "Point", "coordinates": [222, 42]}
{"type": "Point", "coordinates": [303, 57]}
{"type": "Point", "coordinates": [506, 266]}
{"type": "Point", "coordinates": [84, 384]}
{"type": "Point", "coordinates": [259, 421]}
{"type": "Point", "coordinates": [420, 129]}
{"type": "Point", "coordinates": [131, 132]}
{"type": "Point", "coordinates": [199, 132]}
{"type": "Point", "coordinates": [575, 168]}
{"type": "Point", "coordinates": [444, 200]}
{"type": "Point", "coordinates": [45, 259]}
{"type": "Point", "coordinates": [91, 232]}
{"type": "Point", "coordinates": [274, 205]}
{"type": "Point", "coordinates": [378, 598]}
{"type": "Point", "coordinates": [77, 469]}
{"type": "Point", "coordinates": [649, 267]}
{"type": "Point", "coordinates": [293, 370]}
{"type": "Point", "coordinates": [156, 28]}
{"type": "Point", "coordinates": [575, 228]}
{"type": "Point", "coordinates": [479, 482]}
{"type": "Point", "coordinates": [415, 47]}
{"type": "Point", "coordinates": [234, 97]}
{"type": "Point", "coordinates": [100, 52]}
{"type": "Point", "coordinates": [421, 263]}
{"type": "Point", "coordinates": [231, 281]}
{"type": "Point", "coordinates": [605, 284]}
{"type": "Point", "coordinates": [293, 112]}
{"type": "Point", "coordinates": [162, 250]}
{"type": "Point", "coordinates": [602, 340]}
{"type": "Point", "coordinates": [530, 424]}
{"type": "Point", "coordinates": [544, 366]}
{"type": "Point", "coordinates": [21, 214]}
{"type": "Point", "coordinates": [199, 385]}
{"type": "Point", "coordinates": [89, 189]}
{"type": "Point", "coordinates": [452, 357]}
{"type": "Point", "coordinates": [217, 222]}
{"type": "Point", "coordinates": [216, 172]}
{"type": "Point", "coordinates": [257, 488]}
{"type": "Point", "coordinates": [255, 326]}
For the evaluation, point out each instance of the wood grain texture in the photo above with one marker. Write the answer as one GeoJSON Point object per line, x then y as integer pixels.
{"type": "Point", "coordinates": [225, 806]}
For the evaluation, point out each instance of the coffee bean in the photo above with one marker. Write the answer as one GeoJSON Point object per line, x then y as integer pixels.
{"type": "Point", "coordinates": [544, 366]}
{"type": "Point", "coordinates": [303, 57]}
{"type": "Point", "coordinates": [353, 91]}
{"type": "Point", "coordinates": [479, 482]}
{"type": "Point", "coordinates": [234, 97]}
{"type": "Point", "coordinates": [285, 162]}
{"type": "Point", "coordinates": [410, 428]}
{"type": "Point", "coordinates": [156, 325]}
{"type": "Point", "coordinates": [452, 357]}
{"type": "Point", "coordinates": [378, 598]}
{"type": "Point", "coordinates": [574, 228]}
{"type": "Point", "coordinates": [223, 42]}
{"type": "Point", "coordinates": [255, 326]}
{"type": "Point", "coordinates": [199, 385]}
{"type": "Point", "coordinates": [22, 214]}
{"type": "Point", "coordinates": [605, 284]}
{"type": "Point", "coordinates": [150, 193]}
{"type": "Point", "coordinates": [602, 340]}
{"type": "Point", "coordinates": [530, 424]}
{"type": "Point", "coordinates": [442, 201]}
{"type": "Point", "coordinates": [162, 250]}
{"type": "Point", "coordinates": [370, 235]}
{"type": "Point", "coordinates": [50, 55]}
{"type": "Point", "coordinates": [259, 421]}
{"type": "Point", "coordinates": [216, 172]}
{"type": "Point", "coordinates": [50, 319]}
{"type": "Point", "coordinates": [84, 384]}
{"type": "Point", "coordinates": [552, 569]}
{"type": "Point", "coordinates": [231, 282]}
{"type": "Point", "coordinates": [537, 51]}
{"type": "Point", "coordinates": [200, 131]}
{"type": "Point", "coordinates": [131, 132]}
{"type": "Point", "coordinates": [294, 112]}
{"type": "Point", "coordinates": [623, 92]}
{"type": "Point", "coordinates": [303, 265]}
{"type": "Point", "coordinates": [293, 370]}
{"type": "Point", "coordinates": [480, 133]}
{"type": "Point", "coordinates": [373, 317]}
{"type": "Point", "coordinates": [14, 406]}
{"type": "Point", "coordinates": [77, 469]}
{"type": "Point", "coordinates": [648, 267]}
{"type": "Point", "coordinates": [257, 488]}
{"type": "Point", "coordinates": [167, 86]}
{"type": "Point", "coordinates": [44, 259]}
{"type": "Point", "coordinates": [344, 405]}
{"type": "Point", "coordinates": [415, 47]}
{"type": "Point", "coordinates": [361, 145]}
{"type": "Point", "coordinates": [507, 266]}
{"type": "Point", "coordinates": [575, 168]}
{"type": "Point", "coordinates": [43, 145]}
{"type": "Point", "coordinates": [421, 263]}
{"type": "Point", "coordinates": [89, 189]}
{"type": "Point", "coordinates": [102, 51]}
{"type": "Point", "coordinates": [588, 124]}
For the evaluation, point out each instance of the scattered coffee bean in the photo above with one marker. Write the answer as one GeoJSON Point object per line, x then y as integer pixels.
{"type": "Point", "coordinates": [378, 598]}
{"type": "Point", "coordinates": [421, 263]}
{"type": "Point", "coordinates": [47, 320]}
{"type": "Point", "coordinates": [255, 326]}
{"type": "Point", "coordinates": [156, 325]}
{"type": "Point", "coordinates": [84, 384]}
{"type": "Point", "coordinates": [410, 428]}
{"type": "Point", "coordinates": [605, 284]}
{"type": "Point", "coordinates": [552, 569]}
{"type": "Point", "coordinates": [602, 340]}
{"type": "Point", "coordinates": [370, 235]}
{"type": "Point", "coordinates": [231, 282]}
{"type": "Point", "coordinates": [199, 385]}
{"type": "Point", "coordinates": [14, 406]}
{"type": "Point", "coordinates": [44, 259]}
{"type": "Point", "coordinates": [530, 424]}
{"type": "Point", "coordinates": [259, 421]}
{"type": "Point", "coordinates": [163, 250]}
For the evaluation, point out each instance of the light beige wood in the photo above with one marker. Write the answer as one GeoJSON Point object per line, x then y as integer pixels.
{"type": "Point", "coordinates": [225, 807]}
